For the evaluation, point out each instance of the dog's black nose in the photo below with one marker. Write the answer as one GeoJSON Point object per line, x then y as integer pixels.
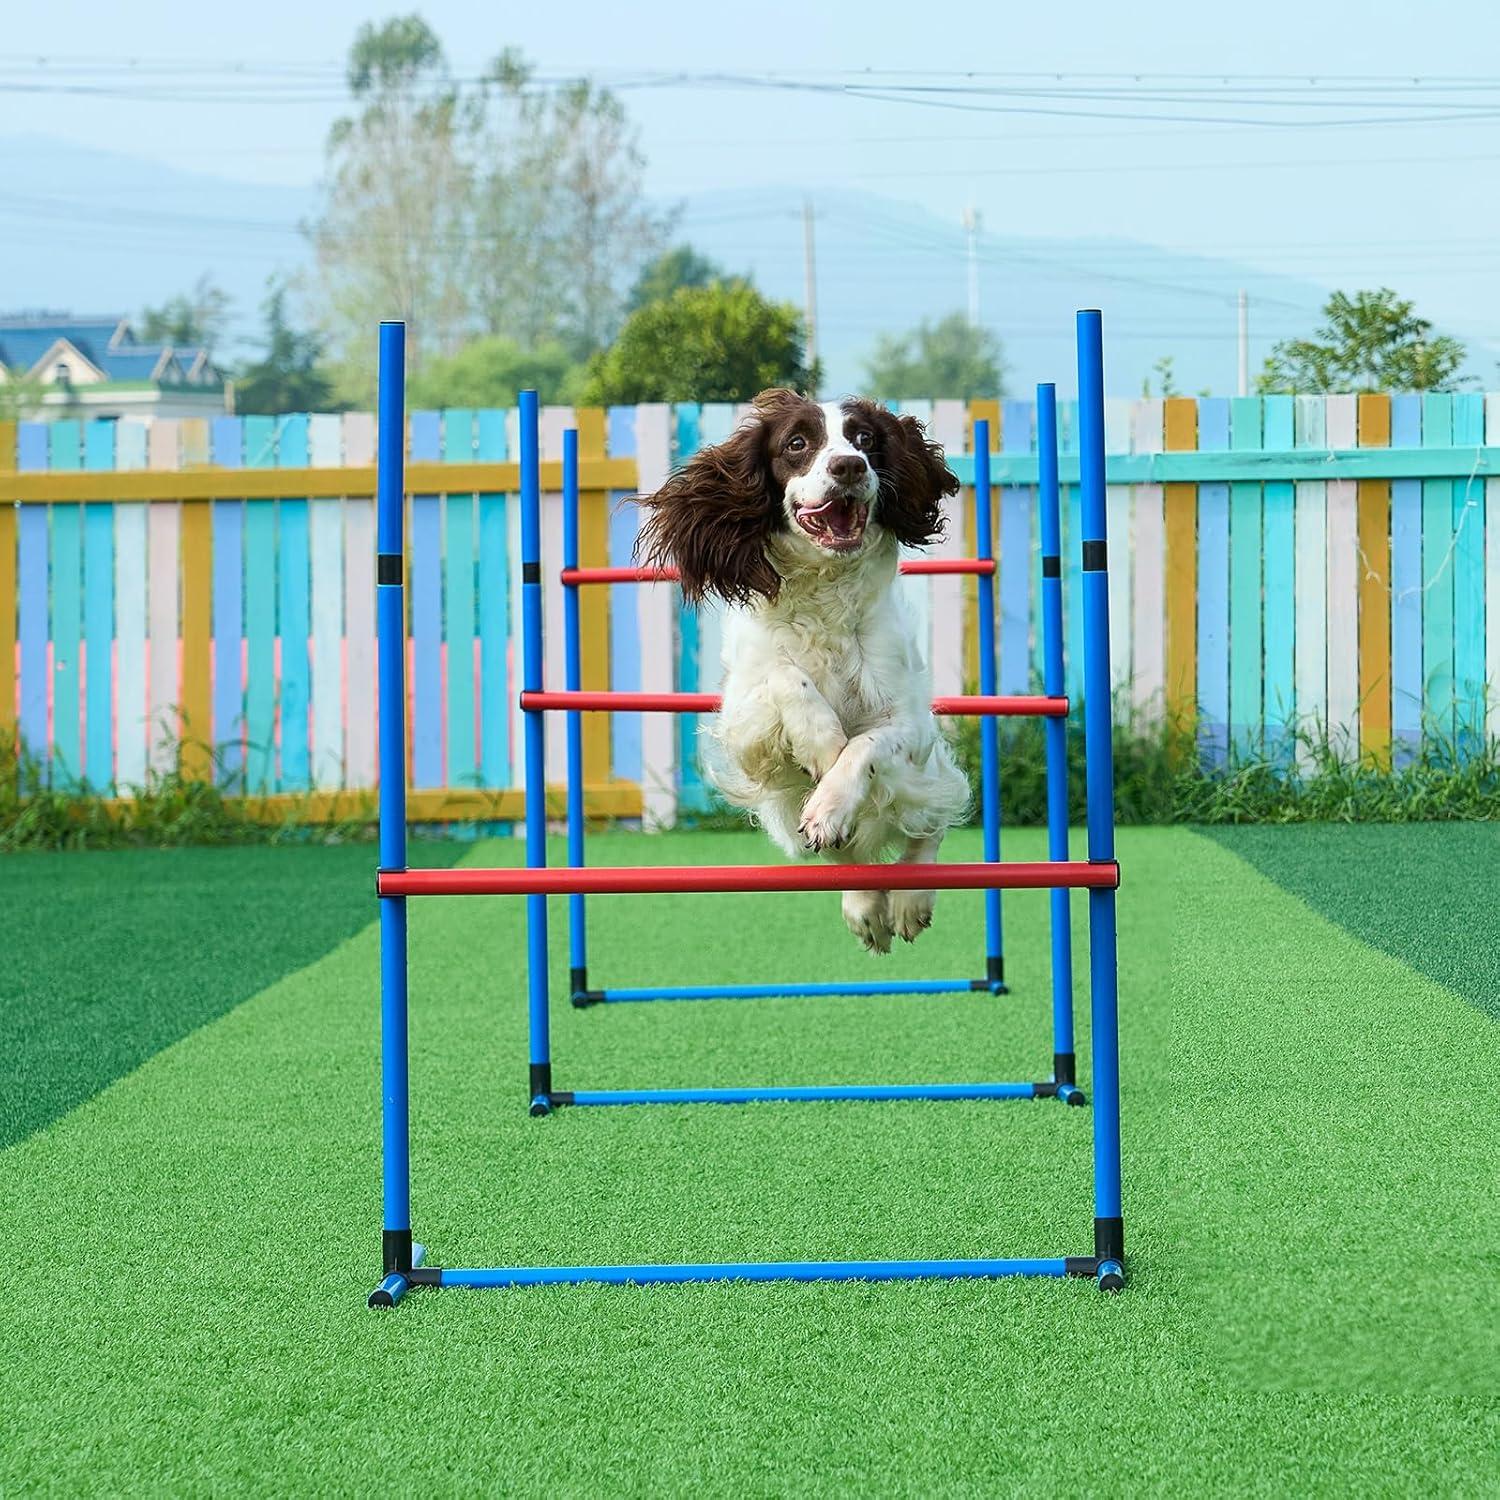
{"type": "Point", "coordinates": [846, 468]}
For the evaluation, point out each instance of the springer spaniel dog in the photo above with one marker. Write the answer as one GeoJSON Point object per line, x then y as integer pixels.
{"type": "Point", "coordinates": [826, 734]}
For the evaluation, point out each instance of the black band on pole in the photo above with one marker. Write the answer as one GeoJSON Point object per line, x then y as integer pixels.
{"type": "Point", "coordinates": [395, 1250]}
{"type": "Point", "coordinates": [1052, 566]}
{"type": "Point", "coordinates": [388, 567]}
{"type": "Point", "coordinates": [994, 970]}
{"type": "Point", "coordinates": [531, 572]}
{"type": "Point", "coordinates": [1079, 1265]}
{"type": "Point", "coordinates": [1109, 1239]}
{"type": "Point", "coordinates": [541, 1079]}
{"type": "Point", "coordinates": [1063, 1065]}
{"type": "Point", "coordinates": [1095, 558]}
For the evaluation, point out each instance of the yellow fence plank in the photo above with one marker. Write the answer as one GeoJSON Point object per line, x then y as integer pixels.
{"type": "Point", "coordinates": [1180, 434]}
{"type": "Point", "coordinates": [197, 638]}
{"type": "Point", "coordinates": [1374, 521]}
{"type": "Point", "coordinates": [593, 606]}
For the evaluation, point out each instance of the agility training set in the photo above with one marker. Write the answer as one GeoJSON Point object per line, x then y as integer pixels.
{"type": "Point", "coordinates": [402, 1258]}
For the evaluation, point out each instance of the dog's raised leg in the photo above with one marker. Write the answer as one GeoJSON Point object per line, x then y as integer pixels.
{"type": "Point", "coordinates": [829, 814]}
{"type": "Point", "coordinates": [867, 914]}
{"type": "Point", "coordinates": [911, 911]}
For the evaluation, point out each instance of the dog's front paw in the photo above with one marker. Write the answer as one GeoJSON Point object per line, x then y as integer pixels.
{"type": "Point", "coordinates": [867, 914]}
{"type": "Point", "coordinates": [827, 816]}
{"type": "Point", "coordinates": [911, 913]}
{"type": "Point", "coordinates": [821, 755]}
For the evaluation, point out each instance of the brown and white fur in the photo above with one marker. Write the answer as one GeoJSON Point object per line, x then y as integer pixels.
{"type": "Point", "coordinates": [826, 733]}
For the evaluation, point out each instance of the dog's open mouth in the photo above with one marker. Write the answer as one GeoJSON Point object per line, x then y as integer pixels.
{"type": "Point", "coordinates": [837, 524]}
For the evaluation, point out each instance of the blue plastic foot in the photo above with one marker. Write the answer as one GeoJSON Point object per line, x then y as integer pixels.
{"type": "Point", "coordinates": [540, 1105]}
{"type": "Point", "coordinates": [390, 1291]}
{"type": "Point", "coordinates": [1111, 1276]}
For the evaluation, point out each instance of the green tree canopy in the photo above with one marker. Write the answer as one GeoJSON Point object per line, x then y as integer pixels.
{"type": "Point", "coordinates": [1372, 341]}
{"type": "Point", "coordinates": [949, 358]}
{"type": "Point", "coordinates": [288, 377]}
{"type": "Point", "coordinates": [489, 372]}
{"type": "Point", "coordinates": [722, 342]}
{"type": "Point", "coordinates": [195, 318]}
{"type": "Point", "coordinates": [678, 267]}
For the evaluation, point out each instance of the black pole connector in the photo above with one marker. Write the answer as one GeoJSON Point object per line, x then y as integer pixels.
{"type": "Point", "coordinates": [1063, 1065]}
{"type": "Point", "coordinates": [395, 1251]}
{"type": "Point", "coordinates": [541, 1079]}
{"type": "Point", "coordinates": [1109, 1239]}
{"type": "Point", "coordinates": [579, 991]}
{"type": "Point", "coordinates": [994, 969]}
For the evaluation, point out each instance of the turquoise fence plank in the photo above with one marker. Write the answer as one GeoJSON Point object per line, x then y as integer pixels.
{"type": "Point", "coordinates": [692, 795]}
{"type": "Point", "coordinates": [1017, 557]}
{"type": "Point", "coordinates": [99, 614]}
{"type": "Point", "coordinates": [1213, 589]}
{"type": "Point", "coordinates": [294, 568]}
{"type": "Point", "coordinates": [494, 612]}
{"type": "Point", "coordinates": [1246, 540]}
{"type": "Point", "coordinates": [228, 445]}
{"type": "Point", "coordinates": [460, 612]}
{"type": "Point", "coordinates": [458, 575]}
{"type": "Point", "coordinates": [458, 435]}
{"type": "Point", "coordinates": [624, 607]}
{"type": "Point", "coordinates": [1437, 576]}
{"type": "Point", "coordinates": [1406, 589]}
{"type": "Point", "coordinates": [1468, 581]}
{"type": "Point", "coordinates": [260, 614]}
{"type": "Point", "coordinates": [67, 639]}
{"type": "Point", "coordinates": [426, 611]}
{"type": "Point", "coordinates": [1279, 533]}
{"type": "Point", "coordinates": [32, 630]}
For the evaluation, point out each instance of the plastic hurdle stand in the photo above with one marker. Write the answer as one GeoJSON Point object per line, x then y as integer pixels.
{"type": "Point", "coordinates": [1098, 875]}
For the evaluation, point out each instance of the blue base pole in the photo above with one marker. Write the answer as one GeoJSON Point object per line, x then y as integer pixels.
{"type": "Point", "coordinates": [771, 1270]}
{"type": "Point", "coordinates": [796, 991]}
{"type": "Point", "coordinates": [801, 1095]}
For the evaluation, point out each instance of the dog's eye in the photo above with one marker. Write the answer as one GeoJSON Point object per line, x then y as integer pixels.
{"type": "Point", "coordinates": [796, 443]}
{"type": "Point", "coordinates": [864, 439]}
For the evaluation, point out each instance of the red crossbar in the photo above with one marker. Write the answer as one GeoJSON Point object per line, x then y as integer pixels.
{"type": "Point", "coordinates": [708, 703]}
{"type": "Point", "coordinates": [914, 565]}
{"type": "Point", "coordinates": [672, 880]}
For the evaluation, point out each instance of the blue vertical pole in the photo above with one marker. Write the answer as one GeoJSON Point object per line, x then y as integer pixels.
{"type": "Point", "coordinates": [535, 777]}
{"type": "Point", "coordinates": [1109, 1228]}
{"type": "Point", "coordinates": [391, 629]}
{"type": "Point", "coordinates": [578, 960]}
{"type": "Point", "coordinates": [989, 726]}
{"type": "Point", "coordinates": [1054, 684]}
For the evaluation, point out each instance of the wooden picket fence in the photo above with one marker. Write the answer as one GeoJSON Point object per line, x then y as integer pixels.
{"type": "Point", "coordinates": [202, 593]}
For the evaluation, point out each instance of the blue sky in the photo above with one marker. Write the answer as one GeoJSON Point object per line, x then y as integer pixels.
{"type": "Point", "coordinates": [1330, 199]}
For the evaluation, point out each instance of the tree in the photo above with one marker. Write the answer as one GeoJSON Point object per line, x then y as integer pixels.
{"type": "Point", "coordinates": [288, 377]}
{"type": "Point", "coordinates": [195, 319]}
{"type": "Point", "coordinates": [1372, 341]}
{"type": "Point", "coordinates": [722, 342]}
{"type": "Point", "coordinates": [1166, 379]}
{"type": "Point", "coordinates": [489, 371]}
{"type": "Point", "coordinates": [495, 206]}
{"type": "Point", "coordinates": [678, 267]}
{"type": "Point", "coordinates": [948, 358]}
{"type": "Point", "coordinates": [391, 240]}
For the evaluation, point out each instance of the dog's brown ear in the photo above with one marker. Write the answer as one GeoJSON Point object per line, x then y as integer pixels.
{"type": "Point", "coordinates": [712, 521]}
{"type": "Point", "coordinates": [913, 481]}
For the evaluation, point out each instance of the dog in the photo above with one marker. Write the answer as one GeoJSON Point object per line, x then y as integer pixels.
{"type": "Point", "coordinates": [826, 734]}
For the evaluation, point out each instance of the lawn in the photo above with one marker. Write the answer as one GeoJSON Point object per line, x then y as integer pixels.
{"type": "Point", "coordinates": [1310, 1174]}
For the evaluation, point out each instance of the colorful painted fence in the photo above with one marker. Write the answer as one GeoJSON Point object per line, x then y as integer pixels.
{"type": "Point", "coordinates": [202, 593]}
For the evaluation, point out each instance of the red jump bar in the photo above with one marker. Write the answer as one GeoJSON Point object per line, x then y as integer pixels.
{"type": "Point", "coordinates": [708, 703]}
{"type": "Point", "coordinates": [576, 576]}
{"type": "Point", "coordinates": [670, 880]}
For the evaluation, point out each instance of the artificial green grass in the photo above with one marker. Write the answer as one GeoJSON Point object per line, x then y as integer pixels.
{"type": "Point", "coordinates": [1307, 1310]}
{"type": "Point", "coordinates": [1425, 895]}
{"type": "Point", "coordinates": [111, 958]}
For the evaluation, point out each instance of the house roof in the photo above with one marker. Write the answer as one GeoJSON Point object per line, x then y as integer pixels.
{"type": "Point", "coordinates": [106, 342]}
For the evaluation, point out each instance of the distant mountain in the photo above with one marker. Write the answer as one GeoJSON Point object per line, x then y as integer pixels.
{"type": "Point", "coordinates": [93, 232]}
{"type": "Point", "coordinates": [884, 265]}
